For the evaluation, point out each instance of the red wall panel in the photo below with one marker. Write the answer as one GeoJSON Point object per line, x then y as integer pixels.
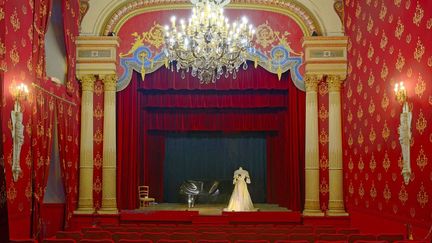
{"type": "Point", "coordinates": [98, 104]}
{"type": "Point", "coordinates": [389, 41]}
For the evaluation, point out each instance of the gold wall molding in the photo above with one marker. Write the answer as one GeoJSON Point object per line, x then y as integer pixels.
{"type": "Point", "coordinates": [295, 10]}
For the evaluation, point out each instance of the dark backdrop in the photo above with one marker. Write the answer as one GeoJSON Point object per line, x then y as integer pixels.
{"type": "Point", "coordinates": [211, 156]}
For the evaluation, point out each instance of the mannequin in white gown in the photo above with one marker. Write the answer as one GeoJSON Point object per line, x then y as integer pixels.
{"type": "Point", "coordinates": [240, 199]}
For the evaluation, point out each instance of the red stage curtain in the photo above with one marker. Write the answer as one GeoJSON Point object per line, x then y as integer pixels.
{"type": "Point", "coordinates": [256, 101]}
{"type": "Point", "coordinates": [252, 78]}
{"type": "Point", "coordinates": [41, 15]}
{"type": "Point", "coordinates": [127, 142]}
{"type": "Point", "coordinates": [153, 172]}
{"type": "Point", "coordinates": [215, 99]}
{"type": "Point", "coordinates": [70, 9]}
{"type": "Point", "coordinates": [295, 147]}
{"type": "Point", "coordinates": [68, 136]}
{"type": "Point", "coordinates": [41, 144]}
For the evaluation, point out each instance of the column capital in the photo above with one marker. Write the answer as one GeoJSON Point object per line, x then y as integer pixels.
{"type": "Point", "coordinates": [87, 82]}
{"type": "Point", "coordinates": [311, 81]}
{"type": "Point", "coordinates": [334, 82]}
{"type": "Point", "coordinates": [110, 82]}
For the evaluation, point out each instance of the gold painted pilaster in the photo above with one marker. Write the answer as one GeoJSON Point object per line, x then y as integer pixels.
{"type": "Point", "coordinates": [109, 203]}
{"type": "Point", "coordinates": [312, 204]}
{"type": "Point", "coordinates": [336, 204]}
{"type": "Point", "coordinates": [85, 200]}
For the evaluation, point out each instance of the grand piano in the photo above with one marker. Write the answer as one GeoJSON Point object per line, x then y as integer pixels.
{"type": "Point", "coordinates": [206, 192]}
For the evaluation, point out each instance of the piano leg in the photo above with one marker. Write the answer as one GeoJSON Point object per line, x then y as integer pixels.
{"type": "Point", "coordinates": [191, 201]}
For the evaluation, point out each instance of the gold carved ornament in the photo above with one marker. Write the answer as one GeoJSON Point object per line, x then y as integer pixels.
{"type": "Point", "coordinates": [110, 82]}
{"type": "Point", "coordinates": [422, 159]}
{"type": "Point", "coordinates": [421, 122]}
{"type": "Point", "coordinates": [311, 81]}
{"type": "Point", "coordinates": [422, 196]}
{"type": "Point", "coordinates": [154, 37]}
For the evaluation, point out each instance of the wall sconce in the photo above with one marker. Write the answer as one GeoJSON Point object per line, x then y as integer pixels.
{"type": "Point", "coordinates": [19, 93]}
{"type": "Point", "coordinates": [404, 130]}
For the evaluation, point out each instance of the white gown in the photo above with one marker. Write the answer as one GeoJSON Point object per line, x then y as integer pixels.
{"type": "Point", "coordinates": [240, 199]}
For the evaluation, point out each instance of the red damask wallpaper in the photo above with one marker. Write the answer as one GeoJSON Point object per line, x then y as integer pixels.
{"type": "Point", "coordinates": [323, 128]}
{"type": "Point", "coordinates": [389, 42]}
{"type": "Point", "coordinates": [98, 104]}
{"type": "Point", "coordinates": [18, 29]}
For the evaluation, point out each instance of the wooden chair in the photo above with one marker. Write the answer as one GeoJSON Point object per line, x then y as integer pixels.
{"type": "Point", "coordinates": [143, 192]}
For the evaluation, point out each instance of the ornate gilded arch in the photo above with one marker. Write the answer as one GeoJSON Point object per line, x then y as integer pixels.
{"type": "Point", "coordinates": [277, 58]}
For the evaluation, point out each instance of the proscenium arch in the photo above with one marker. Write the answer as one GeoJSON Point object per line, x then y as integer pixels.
{"type": "Point", "coordinates": [296, 11]}
{"type": "Point", "coordinates": [304, 19]}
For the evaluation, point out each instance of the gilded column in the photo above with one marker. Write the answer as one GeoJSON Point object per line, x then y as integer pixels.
{"type": "Point", "coordinates": [85, 200]}
{"type": "Point", "coordinates": [336, 204]}
{"type": "Point", "coordinates": [312, 205]}
{"type": "Point", "coordinates": [109, 203]}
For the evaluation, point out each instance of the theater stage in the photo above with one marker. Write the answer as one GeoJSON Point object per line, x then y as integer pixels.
{"type": "Point", "coordinates": [210, 214]}
{"type": "Point", "coordinates": [173, 213]}
{"type": "Point", "coordinates": [208, 209]}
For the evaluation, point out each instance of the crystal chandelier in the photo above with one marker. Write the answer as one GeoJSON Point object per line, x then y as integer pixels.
{"type": "Point", "coordinates": [207, 45]}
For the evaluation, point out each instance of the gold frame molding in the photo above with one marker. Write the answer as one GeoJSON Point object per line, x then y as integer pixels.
{"type": "Point", "coordinates": [296, 11]}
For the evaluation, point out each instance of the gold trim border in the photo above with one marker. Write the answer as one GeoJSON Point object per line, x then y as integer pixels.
{"type": "Point", "coordinates": [126, 11]}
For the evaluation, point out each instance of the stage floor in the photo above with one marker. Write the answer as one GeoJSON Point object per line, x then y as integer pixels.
{"type": "Point", "coordinates": [208, 209]}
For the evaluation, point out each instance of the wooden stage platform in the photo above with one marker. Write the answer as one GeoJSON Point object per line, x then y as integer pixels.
{"type": "Point", "coordinates": [209, 214]}
{"type": "Point", "coordinates": [168, 213]}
